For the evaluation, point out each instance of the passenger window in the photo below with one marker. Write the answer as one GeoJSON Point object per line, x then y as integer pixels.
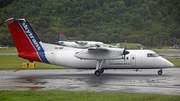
{"type": "Point", "coordinates": [133, 58]}
{"type": "Point", "coordinates": [126, 58]}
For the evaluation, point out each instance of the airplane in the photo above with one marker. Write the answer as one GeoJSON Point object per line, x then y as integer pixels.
{"type": "Point", "coordinates": [4, 47]}
{"type": "Point", "coordinates": [31, 48]}
{"type": "Point", "coordinates": [82, 44]}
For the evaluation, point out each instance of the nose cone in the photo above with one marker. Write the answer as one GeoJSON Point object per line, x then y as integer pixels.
{"type": "Point", "coordinates": [171, 65]}
{"type": "Point", "coordinates": [168, 64]}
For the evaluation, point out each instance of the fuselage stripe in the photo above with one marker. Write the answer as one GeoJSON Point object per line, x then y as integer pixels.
{"type": "Point", "coordinates": [33, 40]}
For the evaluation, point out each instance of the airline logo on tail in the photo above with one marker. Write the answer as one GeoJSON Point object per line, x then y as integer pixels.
{"type": "Point", "coordinates": [26, 40]}
{"type": "Point", "coordinates": [29, 34]}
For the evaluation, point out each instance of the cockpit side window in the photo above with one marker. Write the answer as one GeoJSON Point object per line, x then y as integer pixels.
{"type": "Point", "coordinates": [156, 55]}
{"type": "Point", "coordinates": [152, 55]}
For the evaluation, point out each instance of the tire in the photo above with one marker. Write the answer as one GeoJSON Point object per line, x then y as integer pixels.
{"type": "Point", "coordinates": [160, 72]}
{"type": "Point", "coordinates": [97, 73]}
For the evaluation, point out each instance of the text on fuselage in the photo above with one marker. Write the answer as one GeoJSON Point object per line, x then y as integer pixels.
{"type": "Point", "coordinates": [30, 35]}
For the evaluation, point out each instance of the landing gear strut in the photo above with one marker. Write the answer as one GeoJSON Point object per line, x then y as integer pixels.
{"type": "Point", "coordinates": [102, 70]}
{"type": "Point", "coordinates": [99, 70]}
{"type": "Point", "coordinates": [160, 72]}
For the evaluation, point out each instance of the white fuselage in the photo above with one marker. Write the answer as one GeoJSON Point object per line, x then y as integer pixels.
{"type": "Point", "coordinates": [136, 59]}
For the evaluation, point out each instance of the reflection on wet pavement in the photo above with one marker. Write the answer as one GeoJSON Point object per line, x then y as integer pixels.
{"type": "Point", "coordinates": [129, 81]}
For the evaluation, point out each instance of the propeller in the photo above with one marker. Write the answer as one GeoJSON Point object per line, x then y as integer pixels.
{"type": "Point", "coordinates": [125, 52]}
{"type": "Point", "coordinates": [97, 45]}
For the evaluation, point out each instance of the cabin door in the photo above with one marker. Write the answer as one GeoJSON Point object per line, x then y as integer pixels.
{"type": "Point", "coordinates": [133, 60]}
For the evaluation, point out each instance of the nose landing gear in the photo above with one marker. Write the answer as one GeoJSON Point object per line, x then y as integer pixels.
{"type": "Point", "coordinates": [160, 72]}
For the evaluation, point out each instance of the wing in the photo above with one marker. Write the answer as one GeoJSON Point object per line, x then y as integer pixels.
{"type": "Point", "coordinates": [108, 46]}
{"type": "Point", "coordinates": [97, 49]}
{"type": "Point", "coordinates": [61, 42]}
{"type": "Point", "coordinates": [81, 42]}
{"type": "Point", "coordinates": [100, 53]}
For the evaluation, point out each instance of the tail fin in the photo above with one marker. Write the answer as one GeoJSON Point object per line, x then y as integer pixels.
{"type": "Point", "coordinates": [62, 37]}
{"type": "Point", "coordinates": [26, 40]}
{"type": "Point", "coordinates": [117, 45]}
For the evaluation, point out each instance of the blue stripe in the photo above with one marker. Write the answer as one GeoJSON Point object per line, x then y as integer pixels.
{"type": "Point", "coordinates": [34, 40]}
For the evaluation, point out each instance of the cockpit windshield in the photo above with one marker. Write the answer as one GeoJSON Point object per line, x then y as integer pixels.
{"type": "Point", "coordinates": [152, 55]}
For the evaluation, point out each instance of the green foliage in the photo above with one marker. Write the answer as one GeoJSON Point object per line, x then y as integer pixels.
{"type": "Point", "coordinates": [33, 95]}
{"type": "Point", "coordinates": [174, 61]}
{"type": "Point", "coordinates": [161, 38]}
{"type": "Point", "coordinates": [15, 62]}
{"type": "Point", "coordinates": [113, 20]}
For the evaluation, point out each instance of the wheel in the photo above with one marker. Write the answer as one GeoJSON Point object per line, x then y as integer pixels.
{"type": "Point", "coordinates": [160, 72]}
{"type": "Point", "coordinates": [97, 73]}
{"type": "Point", "coordinates": [102, 70]}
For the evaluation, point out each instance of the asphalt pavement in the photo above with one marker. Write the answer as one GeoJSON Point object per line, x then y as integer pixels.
{"type": "Point", "coordinates": [121, 81]}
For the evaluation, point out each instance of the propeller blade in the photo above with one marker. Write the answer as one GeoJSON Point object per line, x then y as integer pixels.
{"type": "Point", "coordinates": [124, 51]}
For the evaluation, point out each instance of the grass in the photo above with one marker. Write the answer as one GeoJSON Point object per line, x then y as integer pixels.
{"type": "Point", "coordinates": [130, 45]}
{"type": "Point", "coordinates": [32, 95]}
{"type": "Point", "coordinates": [176, 62]}
{"type": "Point", "coordinates": [15, 62]}
{"type": "Point", "coordinates": [9, 50]}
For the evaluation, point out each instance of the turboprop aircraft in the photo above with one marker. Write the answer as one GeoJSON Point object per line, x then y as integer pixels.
{"type": "Point", "coordinates": [82, 44]}
{"type": "Point", "coordinates": [31, 48]}
{"type": "Point", "coordinates": [4, 47]}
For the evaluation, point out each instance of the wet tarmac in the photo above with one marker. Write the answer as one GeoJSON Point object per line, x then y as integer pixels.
{"type": "Point", "coordinates": [122, 81]}
{"type": "Point", "coordinates": [170, 55]}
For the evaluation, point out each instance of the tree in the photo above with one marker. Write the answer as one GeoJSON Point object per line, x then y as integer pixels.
{"type": "Point", "coordinates": [178, 42]}
{"type": "Point", "coordinates": [116, 37]}
{"type": "Point", "coordinates": [161, 38]}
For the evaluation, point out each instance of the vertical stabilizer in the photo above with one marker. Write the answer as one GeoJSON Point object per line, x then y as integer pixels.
{"type": "Point", "coordinates": [62, 37]}
{"type": "Point", "coordinates": [26, 40]}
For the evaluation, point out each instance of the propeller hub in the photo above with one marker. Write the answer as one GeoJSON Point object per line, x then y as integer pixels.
{"type": "Point", "coordinates": [125, 52]}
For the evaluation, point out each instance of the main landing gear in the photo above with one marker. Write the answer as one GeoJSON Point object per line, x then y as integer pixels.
{"type": "Point", "coordinates": [160, 72]}
{"type": "Point", "coordinates": [99, 69]}
{"type": "Point", "coordinates": [98, 72]}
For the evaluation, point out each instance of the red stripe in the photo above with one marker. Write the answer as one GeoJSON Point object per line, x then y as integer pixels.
{"type": "Point", "coordinates": [31, 56]}
{"type": "Point", "coordinates": [23, 45]}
